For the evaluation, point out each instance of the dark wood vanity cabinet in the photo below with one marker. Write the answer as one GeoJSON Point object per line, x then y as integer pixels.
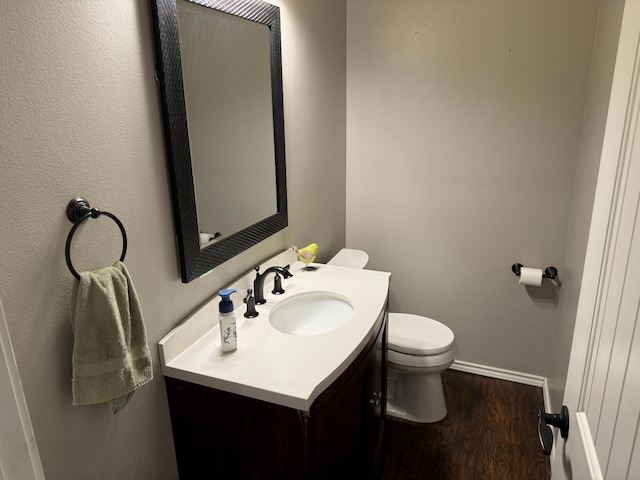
{"type": "Point", "coordinates": [220, 435]}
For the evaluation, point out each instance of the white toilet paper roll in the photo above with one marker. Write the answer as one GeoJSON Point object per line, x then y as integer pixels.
{"type": "Point", "coordinates": [530, 276]}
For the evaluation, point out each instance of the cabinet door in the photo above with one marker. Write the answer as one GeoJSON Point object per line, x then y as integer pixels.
{"type": "Point", "coordinates": [341, 426]}
{"type": "Point", "coordinates": [220, 435]}
{"type": "Point", "coordinates": [377, 397]}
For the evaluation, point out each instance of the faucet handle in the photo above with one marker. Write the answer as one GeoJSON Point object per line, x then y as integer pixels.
{"type": "Point", "coordinates": [277, 285]}
{"type": "Point", "coordinates": [287, 273]}
{"type": "Point", "coordinates": [251, 305]}
{"type": "Point", "coordinates": [248, 297]}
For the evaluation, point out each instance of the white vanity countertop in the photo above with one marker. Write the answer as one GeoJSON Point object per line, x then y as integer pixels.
{"type": "Point", "coordinates": [269, 365]}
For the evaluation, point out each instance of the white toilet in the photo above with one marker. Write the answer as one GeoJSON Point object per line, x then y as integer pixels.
{"type": "Point", "coordinates": [420, 349]}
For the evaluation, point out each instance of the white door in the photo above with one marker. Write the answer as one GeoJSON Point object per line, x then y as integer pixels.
{"type": "Point", "coordinates": [19, 458]}
{"type": "Point", "coordinates": [603, 383]}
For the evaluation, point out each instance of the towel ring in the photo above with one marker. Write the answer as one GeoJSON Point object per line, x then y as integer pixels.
{"type": "Point", "coordinates": [79, 210]}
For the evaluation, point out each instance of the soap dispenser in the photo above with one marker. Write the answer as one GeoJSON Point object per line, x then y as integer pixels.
{"type": "Point", "coordinates": [227, 318]}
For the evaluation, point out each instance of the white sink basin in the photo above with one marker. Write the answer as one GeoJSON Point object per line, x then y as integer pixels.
{"type": "Point", "coordinates": [312, 313]}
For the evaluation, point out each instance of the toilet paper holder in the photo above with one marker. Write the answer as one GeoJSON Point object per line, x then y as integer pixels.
{"type": "Point", "coordinates": [550, 272]}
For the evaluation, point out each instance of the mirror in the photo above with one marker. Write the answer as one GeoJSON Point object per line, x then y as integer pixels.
{"type": "Point", "coordinates": [220, 77]}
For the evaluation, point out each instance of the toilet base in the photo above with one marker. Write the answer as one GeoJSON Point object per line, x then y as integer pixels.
{"type": "Point", "coordinates": [417, 398]}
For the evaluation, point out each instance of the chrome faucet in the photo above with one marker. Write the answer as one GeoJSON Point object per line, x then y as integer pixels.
{"type": "Point", "coordinates": [258, 283]}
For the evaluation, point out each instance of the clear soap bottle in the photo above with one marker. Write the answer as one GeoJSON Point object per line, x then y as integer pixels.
{"type": "Point", "coordinates": [227, 318]}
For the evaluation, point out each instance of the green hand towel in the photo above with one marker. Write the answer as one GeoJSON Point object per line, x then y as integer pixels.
{"type": "Point", "coordinates": [111, 358]}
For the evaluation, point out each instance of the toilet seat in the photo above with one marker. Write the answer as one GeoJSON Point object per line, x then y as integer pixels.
{"type": "Point", "coordinates": [419, 336]}
{"type": "Point", "coordinates": [418, 363]}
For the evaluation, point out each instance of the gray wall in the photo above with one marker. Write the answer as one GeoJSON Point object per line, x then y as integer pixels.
{"type": "Point", "coordinates": [79, 115]}
{"type": "Point", "coordinates": [595, 116]}
{"type": "Point", "coordinates": [464, 122]}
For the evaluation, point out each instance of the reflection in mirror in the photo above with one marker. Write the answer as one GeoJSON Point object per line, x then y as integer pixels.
{"type": "Point", "coordinates": [226, 68]}
{"type": "Point", "coordinates": [220, 78]}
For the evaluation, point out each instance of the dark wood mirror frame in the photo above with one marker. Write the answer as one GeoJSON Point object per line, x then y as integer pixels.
{"type": "Point", "coordinates": [195, 261]}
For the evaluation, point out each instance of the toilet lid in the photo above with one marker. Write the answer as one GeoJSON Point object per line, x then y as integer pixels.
{"type": "Point", "coordinates": [417, 335]}
{"type": "Point", "coordinates": [348, 257]}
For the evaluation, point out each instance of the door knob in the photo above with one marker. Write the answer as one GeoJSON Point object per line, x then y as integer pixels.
{"type": "Point", "coordinates": [545, 421]}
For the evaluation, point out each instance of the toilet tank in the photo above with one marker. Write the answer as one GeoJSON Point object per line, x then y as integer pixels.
{"type": "Point", "coordinates": [348, 257]}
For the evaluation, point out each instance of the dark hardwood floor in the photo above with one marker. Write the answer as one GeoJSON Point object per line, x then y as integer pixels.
{"type": "Point", "coordinates": [490, 432]}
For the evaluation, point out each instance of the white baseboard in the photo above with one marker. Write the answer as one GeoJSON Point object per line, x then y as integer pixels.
{"type": "Point", "coordinates": [499, 373]}
{"type": "Point", "coordinates": [502, 374]}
